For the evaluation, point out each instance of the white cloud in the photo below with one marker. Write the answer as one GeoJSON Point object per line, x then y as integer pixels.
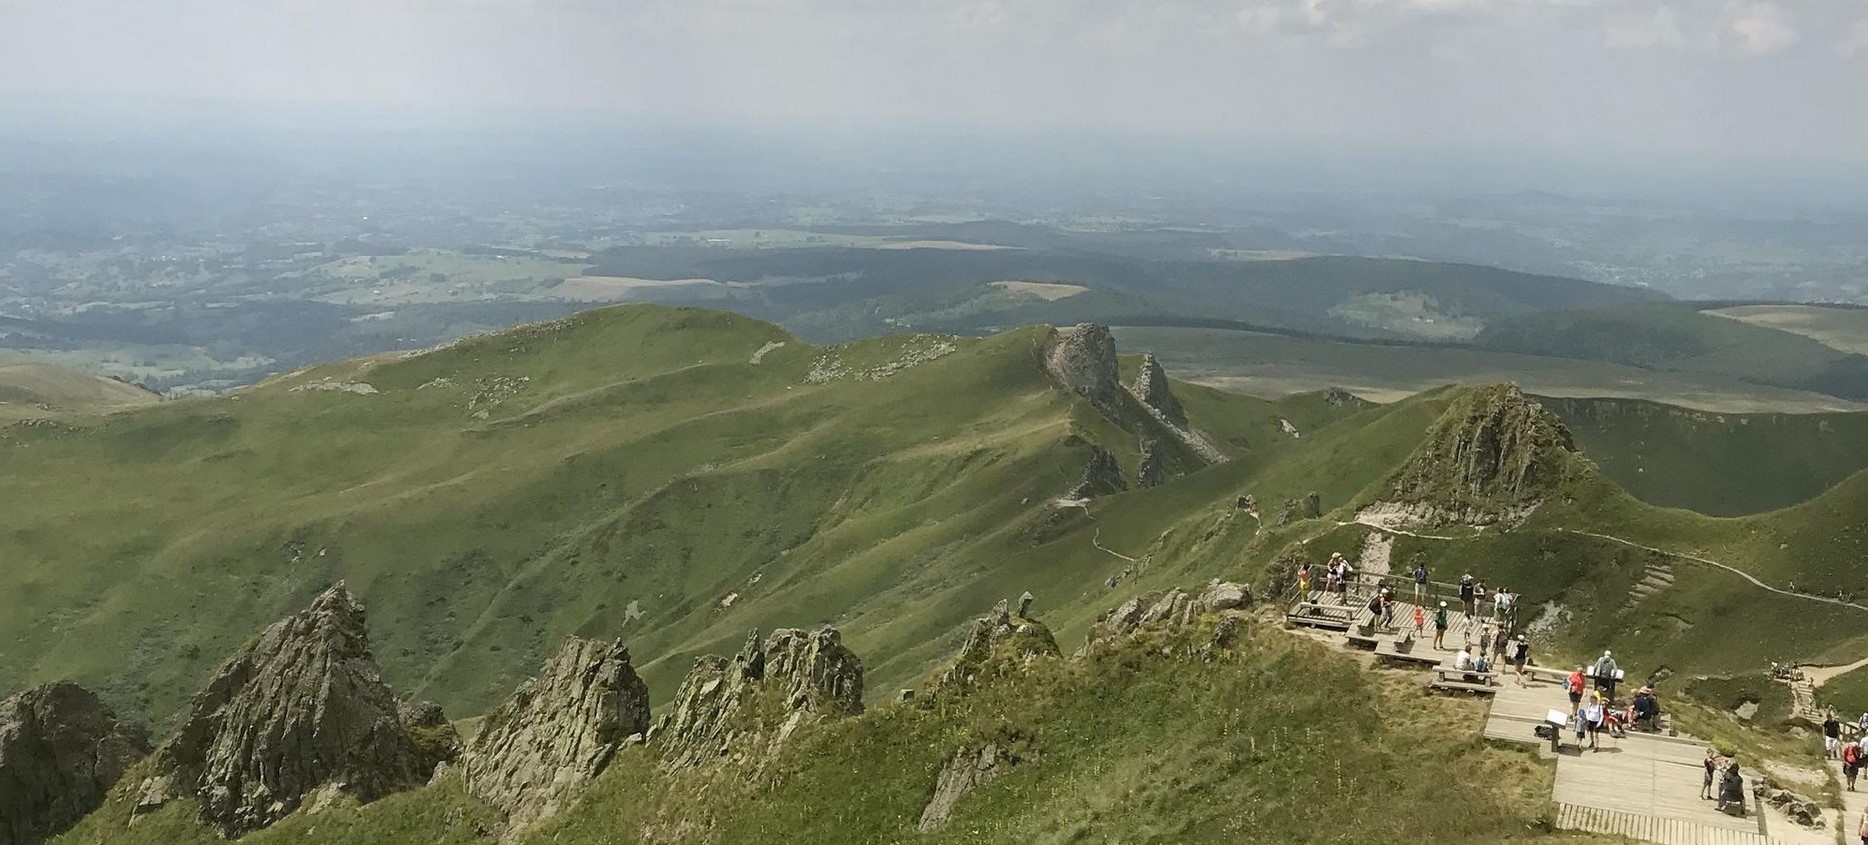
{"type": "Point", "coordinates": [1762, 28]}
{"type": "Point", "coordinates": [1854, 40]}
{"type": "Point", "coordinates": [1660, 30]}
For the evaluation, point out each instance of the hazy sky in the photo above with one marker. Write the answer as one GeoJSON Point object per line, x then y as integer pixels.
{"type": "Point", "coordinates": [1749, 77]}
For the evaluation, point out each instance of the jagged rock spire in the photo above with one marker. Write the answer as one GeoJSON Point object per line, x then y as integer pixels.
{"type": "Point", "coordinates": [61, 749]}
{"type": "Point", "coordinates": [715, 718]}
{"type": "Point", "coordinates": [1084, 362]}
{"type": "Point", "coordinates": [302, 706]}
{"type": "Point", "coordinates": [1490, 457]}
{"type": "Point", "coordinates": [1151, 387]}
{"type": "Point", "coordinates": [559, 730]}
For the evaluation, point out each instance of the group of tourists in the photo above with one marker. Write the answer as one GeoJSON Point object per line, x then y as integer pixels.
{"type": "Point", "coordinates": [1337, 574]}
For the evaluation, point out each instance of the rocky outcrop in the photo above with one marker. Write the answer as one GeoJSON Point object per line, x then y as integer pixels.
{"type": "Point", "coordinates": [971, 769]}
{"type": "Point", "coordinates": [1341, 398]}
{"type": "Point", "coordinates": [1151, 387]}
{"type": "Point", "coordinates": [1084, 362]}
{"type": "Point", "coordinates": [742, 709]}
{"type": "Point", "coordinates": [61, 750]}
{"type": "Point", "coordinates": [1799, 807]}
{"type": "Point", "coordinates": [1101, 477]}
{"type": "Point", "coordinates": [301, 707]}
{"type": "Point", "coordinates": [432, 736]}
{"type": "Point", "coordinates": [537, 751]}
{"type": "Point", "coordinates": [1153, 472]}
{"type": "Point", "coordinates": [994, 644]}
{"type": "Point", "coordinates": [1167, 611]}
{"type": "Point", "coordinates": [1491, 457]}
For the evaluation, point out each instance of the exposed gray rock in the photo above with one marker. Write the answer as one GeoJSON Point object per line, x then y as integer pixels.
{"type": "Point", "coordinates": [301, 707]}
{"type": "Point", "coordinates": [742, 709]}
{"type": "Point", "coordinates": [536, 752]}
{"type": "Point", "coordinates": [61, 750]}
{"type": "Point", "coordinates": [1101, 477]}
{"type": "Point", "coordinates": [1490, 457]}
{"type": "Point", "coordinates": [994, 644]}
{"type": "Point", "coordinates": [1313, 506]}
{"type": "Point", "coordinates": [1340, 397]}
{"type": "Point", "coordinates": [1153, 471]}
{"type": "Point", "coordinates": [969, 770]}
{"type": "Point", "coordinates": [1169, 610]}
{"type": "Point", "coordinates": [1151, 387]}
{"type": "Point", "coordinates": [1799, 807]}
{"type": "Point", "coordinates": [1084, 362]}
{"type": "Point", "coordinates": [431, 734]}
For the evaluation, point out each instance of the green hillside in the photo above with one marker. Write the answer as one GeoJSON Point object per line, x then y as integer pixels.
{"type": "Point", "coordinates": [1132, 747]}
{"type": "Point", "coordinates": [628, 471]}
{"type": "Point", "coordinates": [29, 389]}
{"type": "Point", "coordinates": [1722, 464]}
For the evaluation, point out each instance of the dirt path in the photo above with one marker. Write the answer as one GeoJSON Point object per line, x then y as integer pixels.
{"type": "Point", "coordinates": [1732, 569]}
{"type": "Point", "coordinates": [1819, 675]}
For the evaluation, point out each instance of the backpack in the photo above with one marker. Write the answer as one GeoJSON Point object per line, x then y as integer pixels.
{"type": "Point", "coordinates": [1851, 754]}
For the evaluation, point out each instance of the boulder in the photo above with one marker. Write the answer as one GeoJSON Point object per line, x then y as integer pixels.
{"type": "Point", "coordinates": [1151, 387]}
{"type": "Point", "coordinates": [61, 749]}
{"type": "Point", "coordinates": [301, 707]}
{"type": "Point", "coordinates": [536, 752]}
{"type": "Point", "coordinates": [434, 738]}
{"type": "Point", "coordinates": [742, 709]}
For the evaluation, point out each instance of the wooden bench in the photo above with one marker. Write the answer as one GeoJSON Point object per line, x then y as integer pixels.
{"type": "Point", "coordinates": [1545, 673]}
{"type": "Point", "coordinates": [1448, 673]}
{"type": "Point", "coordinates": [1441, 683]}
{"type": "Point", "coordinates": [1317, 615]}
{"type": "Point", "coordinates": [1402, 650]}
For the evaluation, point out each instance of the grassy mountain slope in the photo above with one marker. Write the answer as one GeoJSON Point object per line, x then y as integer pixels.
{"type": "Point", "coordinates": [1131, 747]}
{"type": "Point", "coordinates": [30, 389]}
{"type": "Point", "coordinates": [1717, 463]}
{"type": "Point", "coordinates": [624, 472]}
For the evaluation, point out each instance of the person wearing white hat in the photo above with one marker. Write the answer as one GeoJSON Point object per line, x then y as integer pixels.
{"type": "Point", "coordinates": [1606, 672]}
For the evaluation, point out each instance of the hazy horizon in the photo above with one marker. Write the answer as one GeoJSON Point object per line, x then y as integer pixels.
{"type": "Point", "coordinates": [1683, 80]}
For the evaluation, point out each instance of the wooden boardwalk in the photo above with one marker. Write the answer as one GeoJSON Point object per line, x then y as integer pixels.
{"type": "Point", "coordinates": [1644, 786]}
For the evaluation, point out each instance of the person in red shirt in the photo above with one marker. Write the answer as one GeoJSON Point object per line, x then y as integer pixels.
{"type": "Point", "coordinates": [1576, 683]}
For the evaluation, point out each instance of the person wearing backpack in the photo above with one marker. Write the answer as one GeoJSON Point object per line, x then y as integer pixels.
{"type": "Point", "coordinates": [1576, 683]}
{"type": "Point", "coordinates": [1439, 627]}
{"type": "Point", "coordinates": [1420, 596]}
{"type": "Point", "coordinates": [1851, 763]}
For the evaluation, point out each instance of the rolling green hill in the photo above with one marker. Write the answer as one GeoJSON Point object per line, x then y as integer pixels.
{"type": "Point", "coordinates": [629, 471]}
{"type": "Point", "coordinates": [29, 389]}
{"type": "Point", "coordinates": [1722, 464]}
{"type": "Point", "coordinates": [675, 477]}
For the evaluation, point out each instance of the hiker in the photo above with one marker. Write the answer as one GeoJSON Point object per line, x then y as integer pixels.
{"type": "Point", "coordinates": [1336, 576]}
{"type": "Point", "coordinates": [1439, 627]}
{"type": "Point", "coordinates": [1521, 654]}
{"type": "Point", "coordinates": [1478, 598]}
{"type": "Point", "coordinates": [1498, 646]}
{"type": "Point", "coordinates": [1606, 672]}
{"type": "Point", "coordinates": [1711, 764]}
{"type": "Point", "coordinates": [1463, 662]}
{"type": "Point", "coordinates": [1375, 609]}
{"type": "Point", "coordinates": [1861, 830]}
{"type": "Point", "coordinates": [1851, 763]}
{"type": "Point", "coordinates": [1575, 685]}
{"type": "Point", "coordinates": [1303, 580]}
{"type": "Point", "coordinates": [1420, 597]}
{"type": "Point", "coordinates": [1502, 602]}
{"type": "Point", "coordinates": [1863, 723]}
{"type": "Point", "coordinates": [1465, 594]}
{"type": "Point", "coordinates": [1732, 789]}
{"type": "Point", "coordinates": [1832, 735]}
{"type": "Point", "coordinates": [1388, 605]}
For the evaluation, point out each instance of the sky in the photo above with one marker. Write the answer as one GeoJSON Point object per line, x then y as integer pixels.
{"type": "Point", "coordinates": [1781, 79]}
